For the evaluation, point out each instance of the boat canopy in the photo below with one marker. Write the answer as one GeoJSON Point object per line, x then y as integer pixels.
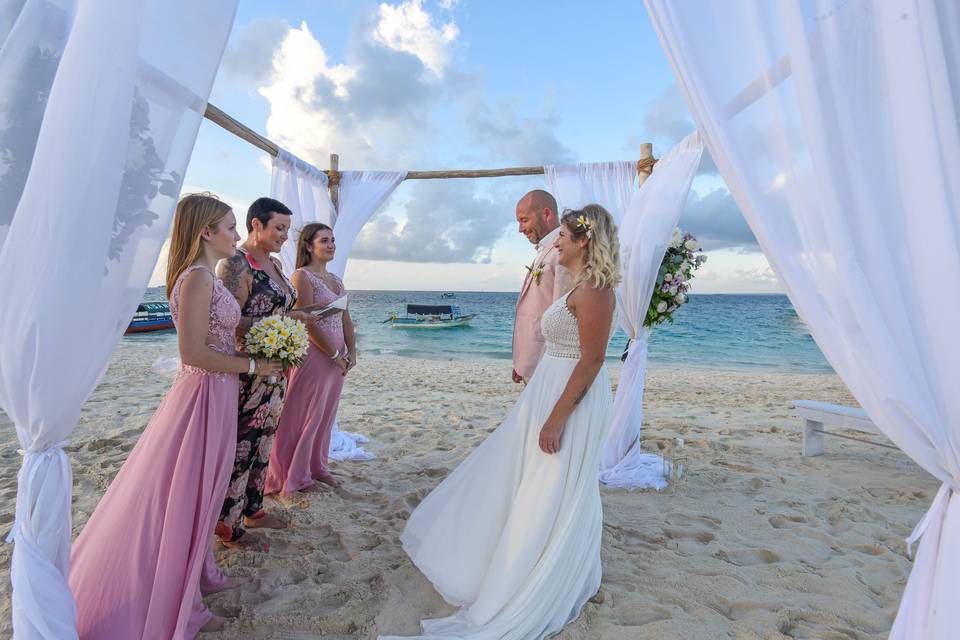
{"type": "Point", "coordinates": [432, 309]}
{"type": "Point", "coordinates": [154, 307]}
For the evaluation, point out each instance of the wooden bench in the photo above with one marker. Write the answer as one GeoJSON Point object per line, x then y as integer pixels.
{"type": "Point", "coordinates": [817, 416]}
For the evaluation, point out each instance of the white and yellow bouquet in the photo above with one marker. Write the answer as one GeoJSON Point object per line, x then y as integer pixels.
{"type": "Point", "coordinates": [278, 338]}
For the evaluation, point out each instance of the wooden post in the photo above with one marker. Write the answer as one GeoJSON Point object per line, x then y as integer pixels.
{"type": "Point", "coordinates": [334, 181]}
{"type": "Point", "coordinates": [645, 166]}
{"type": "Point", "coordinates": [812, 438]}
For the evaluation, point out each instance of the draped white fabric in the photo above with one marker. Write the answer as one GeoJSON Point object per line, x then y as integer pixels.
{"type": "Point", "coordinates": [361, 195]}
{"type": "Point", "coordinates": [610, 184]}
{"type": "Point", "coordinates": [303, 188]}
{"type": "Point", "coordinates": [835, 124]}
{"type": "Point", "coordinates": [645, 232]}
{"type": "Point", "coordinates": [96, 128]}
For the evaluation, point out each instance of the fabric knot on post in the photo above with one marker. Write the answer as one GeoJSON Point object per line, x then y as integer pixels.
{"type": "Point", "coordinates": [645, 165]}
{"type": "Point", "coordinates": [50, 451]}
{"type": "Point", "coordinates": [936, 513]}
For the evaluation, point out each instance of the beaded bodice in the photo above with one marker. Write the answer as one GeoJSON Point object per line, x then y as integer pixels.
{"type": "Point", "coordinates": [331, 326]}
{"type": "Point", "coordinates": [224, 313]}
{"type": "Point", "coordinates": [559, 327]}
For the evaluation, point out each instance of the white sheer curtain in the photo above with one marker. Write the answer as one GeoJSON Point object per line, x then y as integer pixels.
{"type": "Point", "coordinates": [835, 124]}
{"type": "Point", "coordinates": [609, 184]}
{"type": "Point", "coordinates": [303, 188]}
{"type": "Point", "coordinates": [361, 195]}
{"type": "Point", "coordinates": [96, 129]}
{"type": "Point", "coordinates": [645, 231]}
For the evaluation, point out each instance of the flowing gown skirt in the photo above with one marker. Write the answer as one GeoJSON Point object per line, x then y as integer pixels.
{"type": "Point", "coordinates": [139, 564]}
{"type": "Point", "coordinates": [302, 446]}
{"type": "Point", "coordinates": [512, 535]}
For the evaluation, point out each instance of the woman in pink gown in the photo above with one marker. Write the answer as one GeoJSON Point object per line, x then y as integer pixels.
{"type": "Point", "coordinates": [138, 566]}
{"type": "Point", "coordinates": [300, 452]}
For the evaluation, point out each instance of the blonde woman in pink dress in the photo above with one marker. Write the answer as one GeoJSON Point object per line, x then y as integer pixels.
{"type": "Point", "coordinates": [138, 566]}
{"type": "Point", "coordinates": [300, 452]}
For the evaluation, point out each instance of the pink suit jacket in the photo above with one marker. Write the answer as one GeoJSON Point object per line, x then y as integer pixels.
{"type": "Point", "coordinates": [528, 342]}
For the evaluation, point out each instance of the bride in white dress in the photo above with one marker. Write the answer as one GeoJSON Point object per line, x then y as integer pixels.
{"type": "Point", "coordinates": [512, 535]}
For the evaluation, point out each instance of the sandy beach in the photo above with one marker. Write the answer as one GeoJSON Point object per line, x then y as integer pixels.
{"type": "Point", "coordinates": [755, 542]}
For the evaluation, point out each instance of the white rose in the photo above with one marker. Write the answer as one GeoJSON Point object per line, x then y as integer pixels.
{"type": "Point", "coordinates": [661, 307]}
{"type": "Point", "coordinates": [680, 298]}
{"type": "Point", "coordinates": [691, 244]}
{"type": "Point", "coordinates": [667, 277]}
{"type": "Point", "coordinates": [677, 238]}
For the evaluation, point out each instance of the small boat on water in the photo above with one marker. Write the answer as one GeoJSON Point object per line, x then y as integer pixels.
{"type": "Point", "coordinates": [151, 316]}
{"type": "Point", "coordinates": [448, 295]}
{"type": "Point", "coordinates": [430, 316]}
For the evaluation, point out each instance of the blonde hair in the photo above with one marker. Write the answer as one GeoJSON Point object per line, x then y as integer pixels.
{"type": "Point", "coordinates": [601, 259]}
{"type": "Point", "coordinates": [195, 212]}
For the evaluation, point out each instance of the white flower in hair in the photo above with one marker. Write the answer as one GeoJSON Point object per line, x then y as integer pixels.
{"type": "Point", "coordinates": [585, 225]}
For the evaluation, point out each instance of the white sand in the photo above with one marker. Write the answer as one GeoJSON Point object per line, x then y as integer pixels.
{"type": "Point", "coordinates": [757, 542]}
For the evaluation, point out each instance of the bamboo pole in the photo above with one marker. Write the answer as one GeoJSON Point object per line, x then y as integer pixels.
{"type": "Point", "coordinates": [474, 173]}
{"type": "Point", "coordinates": [645, 164]}
{"type": "Point", "coordinates": [242, 131]}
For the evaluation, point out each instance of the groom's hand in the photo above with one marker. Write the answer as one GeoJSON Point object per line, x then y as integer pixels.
{"type": "Point", "coordinates": [517, 377]}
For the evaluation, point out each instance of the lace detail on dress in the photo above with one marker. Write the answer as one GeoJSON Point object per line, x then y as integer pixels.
{"type": "Point", "coordinates": [323, 294]}
{"type": "Point", "coordinates": [222, 326]}
{"type": "Point", "coordinates": [559, 327]}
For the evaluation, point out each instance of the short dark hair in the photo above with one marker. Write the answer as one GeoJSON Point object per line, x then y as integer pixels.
{"type": "Point", "coordinates": [263, 209]}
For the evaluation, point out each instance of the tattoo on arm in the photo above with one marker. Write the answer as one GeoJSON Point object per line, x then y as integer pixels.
{"type": "Point", "coordinates": [579, 397]}
{"type": "Point", "coordinates": [231, 271]}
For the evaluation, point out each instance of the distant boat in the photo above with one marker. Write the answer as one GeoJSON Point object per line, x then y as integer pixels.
{"type": "Point", "coordinates": [151, 316]}
{"type": "Point", "coordinates": [430, 316]}
{"type": "Point", "coordinates": [448, 295]}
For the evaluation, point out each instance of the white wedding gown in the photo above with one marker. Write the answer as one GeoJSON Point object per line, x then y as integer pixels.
{"type": "Point", "coordinates": [512, 535]}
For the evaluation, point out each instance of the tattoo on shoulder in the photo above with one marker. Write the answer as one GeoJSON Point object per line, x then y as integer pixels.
{"type": "Point", "coordinates": [579, 397]}
{"type": "Point", "coordinates": [231, 271]}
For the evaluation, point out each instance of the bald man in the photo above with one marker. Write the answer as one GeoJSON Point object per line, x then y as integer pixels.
{"type": "Point", "coordinates": [545, 281]}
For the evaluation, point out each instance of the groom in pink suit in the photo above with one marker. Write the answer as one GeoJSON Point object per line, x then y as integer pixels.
{"type": "Point", "coordinates": [546, 281]}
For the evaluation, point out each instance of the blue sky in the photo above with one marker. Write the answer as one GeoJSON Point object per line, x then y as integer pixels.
{"type": "Point", "coordinates": [433, 84]}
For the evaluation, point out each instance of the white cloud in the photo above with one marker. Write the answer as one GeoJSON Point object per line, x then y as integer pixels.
{"type": "Point", "coordinates": [444, 221]}
{"type": "Point", "coordinates": [408, 28]}
{"type": "Point", "coordinates": [299, 66]}
{"type": "Point", "coordinates": [373, 108]}
{"type": "Point", "coordinates": [250, 54]}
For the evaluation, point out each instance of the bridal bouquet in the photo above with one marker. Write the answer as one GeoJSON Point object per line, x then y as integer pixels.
{"type": "Point", "coordinates": [278, 338]}
{"type": "Point", "coordinates": [683, 257]}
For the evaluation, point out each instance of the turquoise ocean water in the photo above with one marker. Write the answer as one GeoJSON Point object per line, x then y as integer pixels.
{"type": "Point", "coordinates": [711, 331]}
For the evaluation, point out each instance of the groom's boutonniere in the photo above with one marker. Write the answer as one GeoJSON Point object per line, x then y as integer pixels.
{"type": "Point", "coordinates": [536, 273]}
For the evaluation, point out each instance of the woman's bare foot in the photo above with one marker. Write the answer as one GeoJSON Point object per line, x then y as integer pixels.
{"type": "Point", "coordinates": [233, 582]}
{"type": "Point", "coordinates": [216, 623]}
{"type": "Point", "coordinates": [266, 521]}
{"type": "Point", "coordinates": [247, 542]}
{"type": "Point", "coordinates": [327, 478]}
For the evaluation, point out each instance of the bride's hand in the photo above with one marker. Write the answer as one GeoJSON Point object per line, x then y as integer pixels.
{"type": "Point", "coordinates": [550, 436]}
